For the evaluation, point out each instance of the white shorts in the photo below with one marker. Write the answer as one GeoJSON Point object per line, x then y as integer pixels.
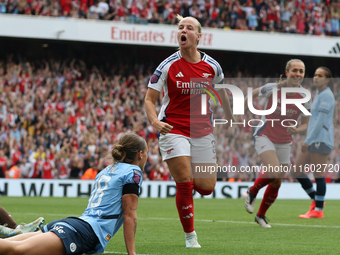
{"type": "Point", "coordinates": [263, 144]}
{"type": "Point", "coordinates": [201, 150]}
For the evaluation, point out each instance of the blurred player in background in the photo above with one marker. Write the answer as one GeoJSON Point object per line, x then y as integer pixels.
{"type": "Point", "coordinates": [113, 201]}
{"type": "Point", "coordinates": [186, 138]}
{"type": "Point", "coordinates": [8, 226]}
{"type": "Point", "coordinates": [319, 142]}
{"type": "Point", "coordinates": [273, 141]}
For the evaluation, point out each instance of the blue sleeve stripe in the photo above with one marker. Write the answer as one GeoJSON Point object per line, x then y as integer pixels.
{"type": "Point", "coordinates": [219, 69]}
{"type": "Point", "coordinates": [214, 61]}
{"type": "Point", "coordinates": [168, 60]}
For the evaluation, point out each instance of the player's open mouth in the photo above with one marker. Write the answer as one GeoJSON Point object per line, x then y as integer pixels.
{"type": "Point", "coordinates": [183, 38]}
{"type": "Point", "coordinates": [297, 79]}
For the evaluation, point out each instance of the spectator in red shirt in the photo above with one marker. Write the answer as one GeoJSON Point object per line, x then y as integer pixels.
{"type": "Point", "coordinates": [155, 174]}
{"type": "Point", "coordinates": [134, 13]}
{"type": "Point", "coordinates": [3, 164]}
{"type": "Point", "coordinates": [48, 169]}
{"type": "Point", "coordinates": [66, 7]}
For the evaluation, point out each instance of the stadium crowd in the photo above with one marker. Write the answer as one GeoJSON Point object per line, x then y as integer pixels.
{"type": "Point", "coordinates": [59, 120]}
{"type": "Point", "coordinates": [313, 17]}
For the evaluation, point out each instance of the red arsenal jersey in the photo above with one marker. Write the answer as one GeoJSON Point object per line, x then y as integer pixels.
{"type": "Point", "coordinates": [183, 84]}
{"type": "Point", "coordinates": [274, 130]}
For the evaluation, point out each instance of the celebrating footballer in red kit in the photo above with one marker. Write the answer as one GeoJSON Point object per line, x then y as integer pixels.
{"type": "Point", "coordinates": [273, 141]}
{"type": "Point", "coordinates": [186, 138]}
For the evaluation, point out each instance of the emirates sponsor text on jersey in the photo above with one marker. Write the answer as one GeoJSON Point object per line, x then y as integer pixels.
{"type": "Point", "coordinates": [192, 88]}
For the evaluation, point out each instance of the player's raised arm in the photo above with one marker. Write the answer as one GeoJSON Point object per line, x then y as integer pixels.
{"type": "Point", "coordinates": [149, 104]}
{"type": "Point", "coordinates": [129, 204]}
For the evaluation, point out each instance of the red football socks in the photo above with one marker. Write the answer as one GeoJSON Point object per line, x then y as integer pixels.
{"type": "Point", "coordinates": [259, 184]}
{"type": "Point", "coordinates": [269, 198]}
{"type": "Point", "coordinates": [185, 205]}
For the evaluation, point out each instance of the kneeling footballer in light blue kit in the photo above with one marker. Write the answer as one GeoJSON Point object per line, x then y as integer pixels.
{"type": "Point", "coordinates": [113, 201]}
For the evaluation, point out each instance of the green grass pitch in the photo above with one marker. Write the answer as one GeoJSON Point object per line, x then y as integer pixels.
{"type": "Point", "coordinates": [223, 226]}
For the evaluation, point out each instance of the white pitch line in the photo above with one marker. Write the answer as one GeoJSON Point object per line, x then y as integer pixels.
{"type": "Point", "coordinates": [247, 222]}
{"type": "Point", "coordinates": [202, 220]}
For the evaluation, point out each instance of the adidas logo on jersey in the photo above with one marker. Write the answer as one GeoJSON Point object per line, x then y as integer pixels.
{"type": "Point", "coordinates": [179, 75]}
{"type": "Point", "coordinates": [335, 49]}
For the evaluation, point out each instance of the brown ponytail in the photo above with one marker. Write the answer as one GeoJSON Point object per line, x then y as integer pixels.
{"type": "Point", "coordinates": [125, 151]}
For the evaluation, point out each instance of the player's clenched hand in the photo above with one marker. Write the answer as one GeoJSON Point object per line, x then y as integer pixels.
{"type": "Point", "coordinates": [304, 147]}
{"type": "Point", "coordinates": [291, 129]}
{"type": "Point", "coordinates": [162, 127]}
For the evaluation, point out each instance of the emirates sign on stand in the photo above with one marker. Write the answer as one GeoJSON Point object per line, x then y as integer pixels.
{"type": "Point", "coordinates": [99, 31]}
{"type": "Point", "coordinates": [140, 34]}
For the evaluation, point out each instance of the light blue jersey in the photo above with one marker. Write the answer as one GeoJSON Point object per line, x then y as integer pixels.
{"type": "Point", "coordinates": [104, 211]}
{"type": "Point", "coordinates": [320, 127]}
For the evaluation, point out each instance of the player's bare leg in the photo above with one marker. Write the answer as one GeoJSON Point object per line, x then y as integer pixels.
{"type": "Point", "coordinates": [180, 168]}
{"type": "Point", "coordinates": [35, 245]}
{"type": "Point", "coordinates": [24, 236]}
{"type": "Point", "coordinates": [6, 219]}
{"type": "Point", "coordinates": [303, 159]}
{"type": "Point", "coordinates": [269, 198]}
{"type": "Point", "coordinates": [204, 182]}
{"type": "Point", "coordinates": [270, 161]}
{"type": "Point", "coordinates": [269, 158]}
